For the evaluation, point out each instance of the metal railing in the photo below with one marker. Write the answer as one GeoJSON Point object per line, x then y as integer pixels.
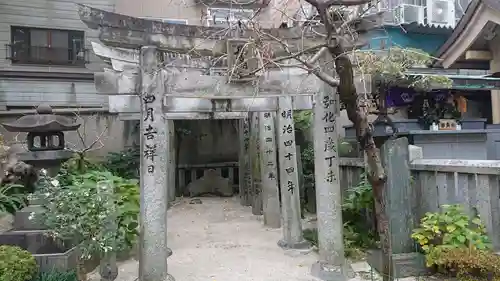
{"type": "Point", "coordinates": [23, 54]}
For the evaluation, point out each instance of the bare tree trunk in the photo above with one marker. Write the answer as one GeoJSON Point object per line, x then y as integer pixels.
{"type": "Point", "coordinates": [335, 40]}
{"type": "Point", "coordinates": [376, 174]}
{"type": "Point", "coordinates": [383, 231]}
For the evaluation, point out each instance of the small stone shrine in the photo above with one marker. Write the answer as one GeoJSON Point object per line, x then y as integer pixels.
{"type": "Point", "coordinates": [45, 139]}
{"type": "Point", "coordinates": [211, 183]}
{"type": "Point", "coordinates": [46, 149]}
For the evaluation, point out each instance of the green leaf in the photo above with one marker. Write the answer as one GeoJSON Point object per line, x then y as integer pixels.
{"type": "Point", "coordinates": [477, 221]}
{"type": "Point", "coordinates": [462, 223]}
{"type": "Point", "coordinates": [451, 228]}
{"type": "Point", "coordinates": [133, 225]}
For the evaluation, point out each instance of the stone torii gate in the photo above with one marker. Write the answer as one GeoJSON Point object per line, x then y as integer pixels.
{"type": "Point", "coordinates": [149, 82]}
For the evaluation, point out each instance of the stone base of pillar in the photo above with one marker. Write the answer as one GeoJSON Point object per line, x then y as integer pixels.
{"type": "Point", "coordinates": [303, 245]}
{"type": "Point", "coordinates": [169, 252]}
{"type": "Point", "coordinates": [257, 205]}
{"type": "Point", "coordinates": [329, 272]}
{"type": "Point", "coordinates": [403, 265]}
{"type": "Point", "coordinates": [169, 278]}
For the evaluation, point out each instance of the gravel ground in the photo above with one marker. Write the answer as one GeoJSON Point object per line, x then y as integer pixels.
{"type": "Point", "coordinates": [220, 240]}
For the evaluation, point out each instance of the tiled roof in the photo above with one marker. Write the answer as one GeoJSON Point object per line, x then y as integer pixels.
{"type": "Point", "coordinates": [464, 21]}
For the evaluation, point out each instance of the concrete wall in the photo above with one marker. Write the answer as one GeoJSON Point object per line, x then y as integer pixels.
{"type": "Point", "coordinates": [29, 92]}
{"type": "Point", "coordinates": [180, 9]}
{"type": "Point", "coordinates": [209, 141]}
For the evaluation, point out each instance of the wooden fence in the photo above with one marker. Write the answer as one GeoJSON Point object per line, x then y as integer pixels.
{"type": "Point", "coordinates": [435, 182]}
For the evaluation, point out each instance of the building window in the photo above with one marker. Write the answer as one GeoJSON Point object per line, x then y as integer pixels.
{"type": "Point", "coordinates": [225, 17]}
{"type": "Point", "coordinates": [47, 46]}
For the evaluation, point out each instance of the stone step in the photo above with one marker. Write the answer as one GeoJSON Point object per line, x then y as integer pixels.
{"type": "Point", "coordinates": [48, 253]}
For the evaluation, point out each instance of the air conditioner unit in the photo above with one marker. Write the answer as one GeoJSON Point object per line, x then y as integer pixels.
{"type": "Point", "coordinates": [441, 13]}
{"type": "Point", "coordinates": [224, 17]}
{"type": "Point", "coordinates": [406, 13]}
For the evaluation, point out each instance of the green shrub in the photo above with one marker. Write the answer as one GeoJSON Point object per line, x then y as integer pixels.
{"type": "Point", "coordinates": [467, 263]}
{"type": "Point", "coordinates": [16, 264]}
{"type": "Point", "coordinates": [456, 244]}
{"type": "Point", "coordinates": [124, 164]}
{"type": "Point", "coordinates": [77, 212]}
{"type": "Point", "coordinates": [56, 275]}
{"type": "Point", "coordinates": [356, 205]}
{"type": "Point", "coordinates": [450, 228]}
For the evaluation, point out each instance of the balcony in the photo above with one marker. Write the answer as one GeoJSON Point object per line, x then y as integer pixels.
{"type": "Point", "coordinates": [246, 4]}
{"type": "Point", "coordinates": [22, 54]}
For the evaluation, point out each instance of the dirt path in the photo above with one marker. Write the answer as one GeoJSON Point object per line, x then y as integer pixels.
{"type": "Point", "coordinates": [219, 240]}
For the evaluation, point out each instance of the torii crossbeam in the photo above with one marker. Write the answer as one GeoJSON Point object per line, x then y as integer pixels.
{"type": "Point", "coordinates": [129, 32]}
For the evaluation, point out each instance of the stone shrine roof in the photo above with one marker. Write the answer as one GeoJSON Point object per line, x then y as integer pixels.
{"type": "Point", "coordinates": [43, 121]}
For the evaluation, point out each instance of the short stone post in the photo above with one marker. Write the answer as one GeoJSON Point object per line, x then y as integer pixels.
{"type": "Point", "coordinates": [245, 175]}
{"type": "Point", "coordinates": [270, 190]}
{"type": "Point", "coordinates": [289, 181]}
{"type": "Point", "coordinates": [403, 260]}
{"type": "Point", "coordinates": [154, 160]}
{"type": "Point", "coordinates": [255, 161]}
{"type": "Point", "coordinates": [332, 263]}
{"type": "Point", "coordinates": [108, 268]}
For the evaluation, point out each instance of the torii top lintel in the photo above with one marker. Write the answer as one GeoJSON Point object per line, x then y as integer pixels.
{"type": "Point", "coordinates": [130, 32]}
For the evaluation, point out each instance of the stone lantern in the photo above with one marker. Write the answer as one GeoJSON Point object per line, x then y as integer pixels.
{"type": "Point", "coordinates": [46, 149]}
{"type": "Point", "coordinates": [45, 139]}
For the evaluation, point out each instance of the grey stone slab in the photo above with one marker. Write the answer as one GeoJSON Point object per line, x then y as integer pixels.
{"type": "Point", "coordinates": [289, 182]}
{"type": "Point", "coordinates": [332, 264]}
{"type": "Point", "coordinates": [269, 170]}
{"type": "Point", "coordinates": [154, 161]}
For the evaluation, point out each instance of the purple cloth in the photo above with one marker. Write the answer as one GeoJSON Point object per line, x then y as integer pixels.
{"type": "Point", "coordinates": [397, 96]}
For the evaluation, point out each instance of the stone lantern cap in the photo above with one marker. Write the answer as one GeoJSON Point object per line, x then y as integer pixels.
{"type": "Point", "coordinates": [43, 121]}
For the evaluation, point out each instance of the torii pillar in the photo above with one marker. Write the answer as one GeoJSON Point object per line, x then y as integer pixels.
{"type": "Point", "coordinates": [332, 265]}
{"type": "Point", "coordinates": [153, 250]}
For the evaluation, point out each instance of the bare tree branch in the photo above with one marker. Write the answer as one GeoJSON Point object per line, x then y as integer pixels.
{"type": "Point", "coordinates": [336, 39]}
{"type": "Point", "coordinates": [309, 67]}
{"type": "Point", "coordinates": [96, 143]}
